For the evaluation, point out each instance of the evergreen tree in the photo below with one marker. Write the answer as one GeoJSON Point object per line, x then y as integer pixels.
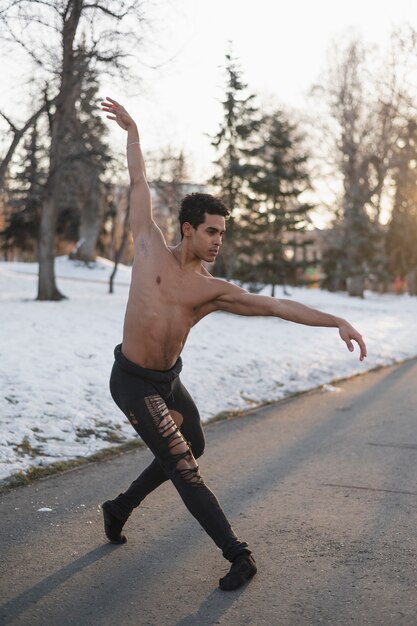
{"type": "Point", "coordinates": [268, 250]}
{"type": "Point", "coordinates": [84, 165]}
{"type": "Point", "coordinates": [233, 143]}
{"type": "Point", "coordinates": [25, 197]}
{"type": "Point", "coordinates": [84, 159]}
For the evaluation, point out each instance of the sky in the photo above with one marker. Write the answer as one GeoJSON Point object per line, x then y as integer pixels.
{"type": "Point", "coordinates": [281, 46]}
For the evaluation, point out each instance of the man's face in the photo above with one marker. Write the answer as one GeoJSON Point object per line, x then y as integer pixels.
{"type": "Point", "coordinates": [206, 239]}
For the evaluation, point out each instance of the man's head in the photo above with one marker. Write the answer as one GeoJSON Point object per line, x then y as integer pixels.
{"type": "Point", "coordinates": [202, 221]}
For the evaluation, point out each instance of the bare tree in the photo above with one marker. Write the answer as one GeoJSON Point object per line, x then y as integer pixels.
{"type": "Point", "coordinates": [362, 131]}
{"type": "Point", "coordinates": [168, 173]}
{"type": "Point", "coordinates": [64, 38]}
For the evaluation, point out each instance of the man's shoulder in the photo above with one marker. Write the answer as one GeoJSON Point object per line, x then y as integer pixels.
{"type": "Point", "coordinates": [217, 286]}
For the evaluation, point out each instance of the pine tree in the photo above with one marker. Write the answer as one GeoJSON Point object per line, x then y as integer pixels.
{"type": "Point", "coordinates": [270, 225]}
{"type": "Point", "coordinates": [25, 197]}
{"type": "Point", "coordinates": [233, 143]}
{"type": "Point", "coordinates": [85, 163]}
{"type": "Point", "coordinates": [84, 159]}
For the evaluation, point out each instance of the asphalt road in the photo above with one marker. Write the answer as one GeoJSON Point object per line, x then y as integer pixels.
{"type": "Point", "coordinates": [323, 487]}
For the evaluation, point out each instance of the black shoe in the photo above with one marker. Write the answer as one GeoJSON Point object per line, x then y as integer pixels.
{"type": "Point", "coordinates": [243, 569]}
{"type": "Point", "coordinates": [113, 523]}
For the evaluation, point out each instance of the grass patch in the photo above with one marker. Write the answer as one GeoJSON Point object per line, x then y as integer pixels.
{"type": "Point", "coordinates": [112, 437]}
{"type": "Point", "coordinates": [25, 447]}
{"type": "Point", "coordinates": [84, 433]}
{"type": "Point", "coordinates": [102, 430]}
{"type": "Point", "coordinates": [38, 472]}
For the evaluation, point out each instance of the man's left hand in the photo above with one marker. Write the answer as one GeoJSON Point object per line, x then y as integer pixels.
{"type": "Point", "coordinates": [349, 334]}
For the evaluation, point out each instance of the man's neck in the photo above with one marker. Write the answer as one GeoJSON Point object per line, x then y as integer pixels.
{"type": "Point", "coordinates": [185, 258]}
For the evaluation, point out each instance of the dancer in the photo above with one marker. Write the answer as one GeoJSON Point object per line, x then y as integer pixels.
{"type": "Point", "coordinates": [170, 292]}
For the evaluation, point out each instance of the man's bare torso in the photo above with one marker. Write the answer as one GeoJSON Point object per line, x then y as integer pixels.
{"type": "Point", "coordinates": [165, 301]}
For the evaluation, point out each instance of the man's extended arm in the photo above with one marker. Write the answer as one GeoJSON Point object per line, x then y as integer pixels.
{"type": "Point", "coordinates": [140, 195]}
{"type": "Point", "coordinates": [239, 301]}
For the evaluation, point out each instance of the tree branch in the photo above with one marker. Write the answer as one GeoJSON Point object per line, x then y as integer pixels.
{"type": "Point", "coordinates": [119, 16]}
{"type": "Point", "coordinates": [21, 43]}
{"type": "Point", "coordinates": [10, 123]}
{"type": "Point", "coordinates": [18, 134]}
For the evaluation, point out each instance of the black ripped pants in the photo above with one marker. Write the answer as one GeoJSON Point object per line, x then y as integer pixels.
{"type": "Point", "coordinates": [146, 398]}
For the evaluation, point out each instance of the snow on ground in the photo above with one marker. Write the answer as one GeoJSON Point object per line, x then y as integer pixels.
{"type": "Point", "coordinates": [56, 358]}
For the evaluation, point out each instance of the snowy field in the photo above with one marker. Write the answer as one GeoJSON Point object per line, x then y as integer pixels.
{"type": "Point", "coordinates": [56, 358]}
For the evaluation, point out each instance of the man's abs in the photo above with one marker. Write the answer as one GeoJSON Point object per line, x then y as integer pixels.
{"type": "Point", "coordinates": [154, 338]}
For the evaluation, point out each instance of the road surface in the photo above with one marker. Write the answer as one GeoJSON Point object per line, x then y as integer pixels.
{"type": "Point", "coordinates": [322, 486]}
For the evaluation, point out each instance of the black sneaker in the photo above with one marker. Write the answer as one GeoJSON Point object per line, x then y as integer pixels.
{"type": "Point", "coordinates": [243, 569]}
{"type": "Point", "coordinates": [113, 522]}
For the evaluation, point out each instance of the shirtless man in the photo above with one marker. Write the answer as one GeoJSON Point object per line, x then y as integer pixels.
{"type": "Point", "coordinates": [170, 292]}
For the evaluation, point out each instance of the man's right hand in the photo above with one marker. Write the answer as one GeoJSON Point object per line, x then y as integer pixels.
{"type": "Point", "coordinates": [117, 113]}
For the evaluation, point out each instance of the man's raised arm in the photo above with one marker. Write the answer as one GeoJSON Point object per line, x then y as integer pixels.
{"type": "Point", "coordinates": [140, 195]}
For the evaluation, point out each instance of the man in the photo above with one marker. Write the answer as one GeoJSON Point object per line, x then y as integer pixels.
{"type": "Point", "coordinates": [170, 292]}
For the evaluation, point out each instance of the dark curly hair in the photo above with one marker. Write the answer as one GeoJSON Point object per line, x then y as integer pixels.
{"type": "Point", "coordinates": [194, 207]}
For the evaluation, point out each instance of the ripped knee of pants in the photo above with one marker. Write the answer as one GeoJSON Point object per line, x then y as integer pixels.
{"type": "Point", "coordinates": [187, 467]}
{"type": "Point", "coordinates": [182, 458]}
{"type": "Point", "coordinates": [185, 464]}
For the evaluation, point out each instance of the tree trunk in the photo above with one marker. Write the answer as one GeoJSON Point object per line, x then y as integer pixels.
{"type": "Point", "coordinates": [65, 102]}
{"type": "Point", "coordinates": [226, 262]}
{"type": "Point", "coordinates": [119, 250]}
{"type": "Point", "coordinates": [90, 224]}
{"type": "Point", "coordinates": [355, 286]}
{"type": "Point", "coordinates": [47, 289]}
{"type": "Point", "coordinates": [412, 282]}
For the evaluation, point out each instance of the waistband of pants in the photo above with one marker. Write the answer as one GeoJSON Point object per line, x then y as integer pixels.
{"type": "Point", "coordinates": [162, 376]}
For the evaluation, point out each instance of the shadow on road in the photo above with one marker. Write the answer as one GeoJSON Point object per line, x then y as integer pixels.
{"type": "Point", "coordinates": [215, 605]}
{"type": "Point", "coordinates": [28, 598]}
